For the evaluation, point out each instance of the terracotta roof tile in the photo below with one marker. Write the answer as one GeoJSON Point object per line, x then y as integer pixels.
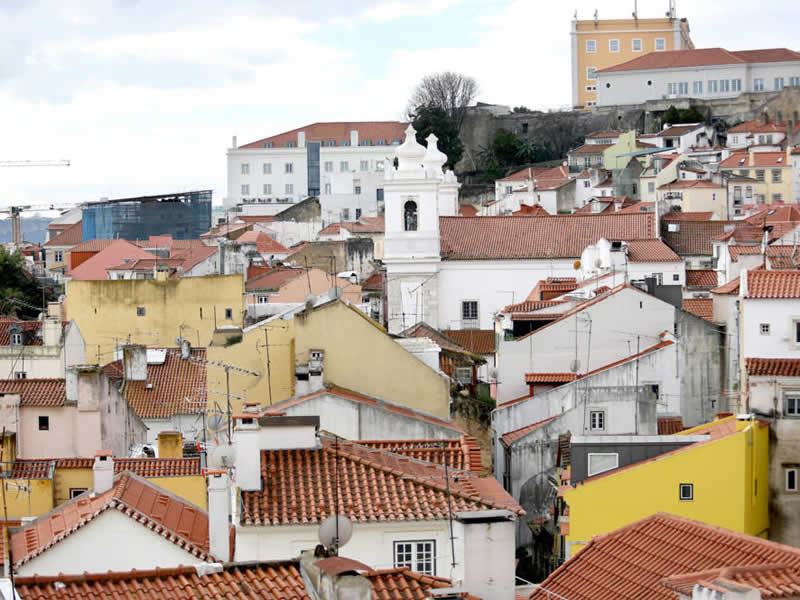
{"type": "Point", "coordinates": [700, 307]}
{"type": "Point", "coordinates": [255, 219]}
{"type": "Point", "coordinates": [71, 236]}
{"type": "Point", "coordinates": [272, 581]}
{"type": "Point", "coordinates": [775, 213]}
{"type": "Point", "coordinates": [460, 453]}
{"type": "Point", "coordinates": [35, 468]}
{"type": "Point", "coordinates": [422, 330]}
{"type": "Point", "coordinates": [373, 283]}
{"type": "Point", "coordinates": [143, 467]}
{"type": "Point", "coordinates": [512, 436]}
{"type": "Point", "coordinates": [530, 173]}
{"type": "Point", "coordinates": [777, 367]}
{"type": "Point", "coordinates": [774, 251]}
{"type": "Point", "coordinates": [555, 236]}
{"type": "Point", "coordinates": [687, 216]}
{"type": "Point", "coordinates": [274, 279]}
{"type": "Point", "coordinates": [532, 305]}
{"type": "Point", "coordinates": [682, 184]}
{"type": "Point", "coordinates": [477, 341]}
{"type": "Point", "coordinates": [604, 134]}
{"type": "Point", "coordinates": [678, 130]}
{"type": "Point", "coordinates": [29, 329]}
{"type": "Point", "coordinates": [638, 207]}
{"type": "Point", "coordinates": [590, 149]}
{"type": "Point", "coordinates": [730, 288]}
{"type": "Point", "coordinates": [36, 392]}
{"type": "Point", "coordinates": [651, 251]}
{"type": "Point", "coordinates": [549, 377]}
{"type": "Point", "coordinates": [177, 387]}
{"type": "Point", "coordinates": [693, 238]}
{"type": "Point", "coordinates": [338, 132]}
{"type": "Point", "coordinates": [225, 229]}
{"type": "Point", "coordinates": [404, 584]}
{"type": "Point", "coordinates": [364, 225]}
{"type": "Point", "coordinates": [535, 210]}
{"type": "Point", "coordinates": [116, 253]}
{"type": "Point", "coordinates": [467, 210]}
{"type": "Point", "coordinates": [669, 425]}
{"type": "Point", "coordinates": [643, 553]}
{"type": "Point", "coordinates": [92, 246]}
{"type": "Point", "coordinates": [773, 284]}
{"type": "Point", "coordinates": [699, 57]}
{"type": "Point", "coordinates": [264, 243]}
{"type": "Point", "coordinates": [772, 581]}
{"type": "Point", "coordinates": [756, 126]}
{"type": "Point", "coordinates": [373, 486]}
{"type": "Point", "coordinates": [175, 519]}
{"type": "Point", "coordinates": [755, 159]}
{"type": "Point", "coordinates": [701, 278]}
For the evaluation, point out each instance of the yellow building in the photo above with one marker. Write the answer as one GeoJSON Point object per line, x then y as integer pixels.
{"type": "Point", "coordinates": [598, 44]}
{"type": "Point", "coordinates": [770, 172]}
{"type": "Point", "coordinates": [153, 312]}
{"type": "Point", "coordinates": [722, 481]}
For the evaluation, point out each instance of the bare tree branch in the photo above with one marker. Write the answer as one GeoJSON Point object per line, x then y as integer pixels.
{"type": "Point", "coordinates": [452, 92]}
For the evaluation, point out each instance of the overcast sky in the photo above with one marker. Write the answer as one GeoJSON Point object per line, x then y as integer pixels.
{"type": "Point", "coordinates": [143, 96]}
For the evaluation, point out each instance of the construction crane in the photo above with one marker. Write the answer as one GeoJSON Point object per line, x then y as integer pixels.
{"type": "Point", "coordinates": [15, 211]}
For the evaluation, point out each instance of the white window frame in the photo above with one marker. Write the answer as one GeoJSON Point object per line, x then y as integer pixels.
{"type": "Point", "coordinates": [592, 472]}
{"type": "Point", "coordinates": [344, 166]}
{"type": "Point", "coordinates": [593, 48]}
{"type": "Point", "coordinates": [329, 166]}
{"type": "Point", "coordinates": [764, 328]}
{"type": "Point", "coordinates": [20, 374]}
{"type": "Point", "coordinates": [262, 299]}
{"type": "Point", "coordinates": [633, 45]}
{"type": "Point", "coordinates": [779, 83]}
{"type": "Point", "coordinates": [290, 188]}
{"type": "Point", "coordinates": [288, 167]}
{"type": "Point", "coordinates": [365, 165]}
{"type": "Point", "coordinates": [611, 43]}
{"type": "Point", "coordinates": [758, 84]}
{"type": "Point", "coordinates": [470, 320]}
{"type": "Point", "coordinates": [463, 375]}
{"type": "Point", "coordinates": [267, 169]}
{"type": "Point", "coordinates": [245, 189]}
{"type": "Point", "coordinates": [267, 189]}
{"type": "Point", "coordinates": [245, 168]}
{"type": "Point", "coordinates": [58, 256]}
{"type": "Point", "coordinates": [591, 71]}
{"type": "Point", "coordinates": [795, 471]}
{"type": "Point", "coordinates": [663, 43]}
{"type": "Point", "coordinates": [415, 555]}
{"type": "Point", "coordinates": [683, 497]}
{"type": "Point", "coordinates": [17, 338]}
{"type": "Point", "coordinates": [791, 404]}
{"type": "Point", "coordinates": [597, 424]}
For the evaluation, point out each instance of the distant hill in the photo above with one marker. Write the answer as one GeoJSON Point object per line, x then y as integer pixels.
{"type": "Point", "coordinates": [34, 229]}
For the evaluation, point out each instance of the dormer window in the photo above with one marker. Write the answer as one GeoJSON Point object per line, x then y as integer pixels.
{"type": "Point", "coordinates": [410, 216]}
{"type": "Point", "coordinates": [15, 336]}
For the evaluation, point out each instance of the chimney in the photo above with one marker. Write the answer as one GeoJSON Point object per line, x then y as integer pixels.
{"type": "Point", "coordinates": [186, 349]}
{"type": "Point", "coordinates": [301, 139]}
{"type": "Point", "coordinates": [335, 578]}
{"type": "Point", "coordinates": [87, 387]}
{"type": "Point", "coordinates": [487, 563]}
{"type": "Point", "coordinates": [134, 362]}
{"type": "Point", "coordinates": [253, 434]}
{"type": "Point", "coordinates": [170, 444]}
{"type": "Point", "coordinates": [103, 471]}
{"type": "Point", "coordinates": [54, 310]}
{"type": "Point", "coordinates": [308, 377]}
{"type": "Point", "coordinates": [354, 137]}
{"type": "Point", "coordinates": [51, 330]}
{"type": "Point", "coordinates": [234, 145]}
{"type": "Point", "coordinates": [219, 511]}
{"type": "Point", "coordinates": [764, 118]}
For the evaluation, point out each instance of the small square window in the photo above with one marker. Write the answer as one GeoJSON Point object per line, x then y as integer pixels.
{"type": "Point", "coordinates": [661, 44]}
{"type": "Point", "coordinates": [267, 189]}
{"type": "Point", "coordinates": [764, 328]}
{"type": "Point", "coordinates": [419, 556]}
{"type": "Point", "coordinates": [229, 313]}
{"type": "Point", "coordinates": [636, 45]}
{"type": "Point", "coordinates": [613, 45]}
{"type": "Point", "coordinates": [591, 46]}
{"type": "Point", "coordinates": [44, 423]}
{"type": "Point", "coordinates": [20, 375]}
{"type": "Point", "coordinates": [245, 189]}
{"type": "Point", "coordinates": [686, 491]}
{"type": "Point", "coordinates": [267, 168]}
{"type": "Point", "coordinates": [245, 168]}
{"type": "Point", "coordinates": [791, 479]}
{"type": "Point", "coordinates": [74, 492]}
{"type": "Point", "coordinates": [597, 420]}
{"type": "Point", "coordinates": [140, 311]}
{"type": "Point", "coordinates": [676, 277]}
{"type": "Point", "coordinates": [792, 405]}
{"type": "Point", "coordinates": [591, 73]}
{"type": "Point", "coordinates": [290, 188]}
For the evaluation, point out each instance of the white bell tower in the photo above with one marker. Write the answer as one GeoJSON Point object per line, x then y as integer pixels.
{"type": "Point", "coordinates": [411, 255]}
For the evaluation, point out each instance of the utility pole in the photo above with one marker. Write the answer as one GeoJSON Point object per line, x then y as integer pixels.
{"type": "Point", "coordinates": [636, 391]}
{"type": "Point", "coordinates": [269, 374]}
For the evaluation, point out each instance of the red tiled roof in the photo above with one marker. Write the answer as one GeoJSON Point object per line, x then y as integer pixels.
{"type": "Point", "coordinates": [71, 236]}
{"type": "Point", "coordinates": [679, 130]}
{"type": "Point", "coordinates": [776, 367]}
{"type": "Point", "coordinates": [700, 307]}
{"type": "Point", "coordinates": [604, 134]}
{"type": "Point", "coordinates": [404, 584]}
{"type": "Point", "coordinates": [775, 213]}
{"type": "Point", "coordinates": [773, 251]}
{"type": "Point", "coordinates": [264, 243]}
{"type": "Point", "coordinates": [36, 468]}
{"type": "Point", "coordinates": [643, 553]}
{"type": "Point", "coordinates": [512, 436]}
{"type": "Point", "coordinates": [143, 467]}
{"type": "Point", "coordinates": [532, 305]}
{"type": "Point", "coordinates": [669, 425]}
{"type": "Point", "coordinates": [373, 283]}
{"type": "Point", "coordinates": [699, 57]}
{"type": "Point", "coordinates": [338, 132]}
{"type": "Point", "coordinates": [651, 251]}
{"type": "Point", "coordinates": [176, 387]}
{"type": "Point", "coordinates": [687, 216]}
{"type": "Point", "coordinates": [468, 210]}
{"type": "Point", "coordinates": [689, 184]}
{"type": "Point", "coordinates": [590, 149]}
{"type": "Point", "coordinates": [175, 519]}
{"type": "Point", "coordinates": [167, 241]}
{"type": "Point", "coordinates": [460, 453]}
{"type": "Point", "coordinates": [191, 257]}
{"type": "Point", "coordinates": [772, 581]}
{"type": "Point", "coordinates": [530, 173]}
{"type": "Point", "coordinates": [535, 210]}
{"type": "Point", "coordinates": [274, 279]}
{"type": "Point", "coordinates": [269, 580]}
{"type": "Point", "coordinates": [116, 253]}
{"type": "Point", "coordinates": [477, 341]}
{"type": "Point", "coordinates": [701, 278]}
{"type": "Point", "coordinates": [373, 486]}
{"type": "Point", "coordinates": [773, 284]}
{"type": "Point", "coordinates": [756, 126]}
{"type": "Point", "coordinates": [637, 207]}
{"type": "Point", "coordinates": [730, 288]}
{"type": "Point", "coordinates": [555, 236]}
{"type": "Point", "coordinates": [255, 218]}
{"type": "Point", "coordinates": [423, 330]}
{"type": "Point", "coordinates": [225, 229]}
{"type": "Point", "coordinates": [30, 331]}
{"type": "Point", "coordinates": [364, 225]}
{"type": "Point", "coordinates": [92, 246]}
{"type": "Point", "coordinates": [36, 392]}
{"type": "Point", "coordinates": [693, 237]}
{"type": "Point", "coordinates": [756, 159]}
{"type": "Point", "coordinates": [549, 377]}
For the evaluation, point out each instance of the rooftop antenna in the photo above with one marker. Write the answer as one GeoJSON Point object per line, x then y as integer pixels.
{"type": "Point", "coordinates": [635, 9]}
{"type": "Point", "coordinates": [336, 530]}
{"type": "Point", "coordinates": [595, 17]}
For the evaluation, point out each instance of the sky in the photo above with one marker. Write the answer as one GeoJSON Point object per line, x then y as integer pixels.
{"type": "Point", "coordinates": [143, 96]}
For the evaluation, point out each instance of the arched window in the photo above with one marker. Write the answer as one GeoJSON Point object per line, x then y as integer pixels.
{"type": "Point", "coordinates": [410, 216]}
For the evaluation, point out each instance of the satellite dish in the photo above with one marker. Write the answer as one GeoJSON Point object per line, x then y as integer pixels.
{"type": "Point", "coordinates": [598, 262]}
{"type": "Point", "coordinates": [574, 365]}
{"type": "Point", "coordinates": [222, 457]}
{"type": "Point", "coordinates": [328, 531]}
{"type": "Point", "coordinates": [215, 422]}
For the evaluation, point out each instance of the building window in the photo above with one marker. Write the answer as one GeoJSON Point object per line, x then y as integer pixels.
{"type": "Point", "coordinates": [357, 189]}
{"type": "Point", "coordinates": [591, 73]}
{"type": "Point", "coordinates": [364, 143]}
{"type": "Point", "coordinates": [140, 311]}
{"type": "Point", "coordinates": [58, 256]}
{"type": "Point", "coordinates": [791, 479]}
{"type": "Point", "coordinates": [736, 85]}
{"type": "Point", "coordinates": [327, 188]}
{"type": "Point", "coordinates": [288, 168]}
{"type": "Point", "coordinates": [345, 214]}
{"type": "Point", "coordinates": [290, 188]}
{"type": "Point", "coordinates": [651, 187]}
{"type": "Point", "coordinates": [328, 166]}
{"type": "Point", "coordinates": [74, 492]}
{"type": "Point", "coordinates": [344, 143]}
{"type": "Point", "coordinates": [661, 44]}
{"type": "Point", "coordinates": [600, 462]}
{"type": "Point", "coordinates": [329, 143]}
{"type": "Point", "coordinates": [44, 423]}
{"type": "Point", "coordinates": [20, 375]}
{"type": "Point", "coordinates": [712, 86]}
{"type": "Point", "coordinates": [263, 300]}
{"type": "Point", "coordinates": [760, 175]}
{"type": "Point", "coordinates": [636, 45]}
{"type": "Point", "coordinates": [379, 194]}
{"type": "Point", "coordinates": [796, 327]}
{"type": "Point", "coordinates": [469, 314]}
{"type": "Point", "coordinates": [418, 555]}
{"type": "Point", "coordinates": [267, 144]}
{"type": "Point", "coordinates": [365, 165]}
{"type": "Point", "coordinates": [245, 189]}
{"type": "Point", "coordinates": [758, 84]}
{"type": "Point", "coordinates": [524, 128]}
{"type": "Point", "coordinates": [591, 46]}
{"type": "Point", "coordinates": [794, 80]}
{"type": "Point", "coordinates": [291, 144]}
{"type": "Point", "coordinates": [613, 45]}
{"type": "Point", "coordinates": [697, 87]}
{"type": "Point", "coordinates": [597, 420]}
{"type": "Point", "coordinates": [764, 328]}
{"type": "Point", "coordinates": [791, 405]}
{"type": "Point", "coordinates": [343, 166]}
{"type": "Point", "coordinates": [16, 338]}
{"type": "Point", "coordinates": [676, 277]}
{"type": "Point", "coordinates": [587, 183]}
{"type": "Point", "coordinates": [776, 173]}
{"type": "Point", "coordinates": [358, 214]}
{"type": "Point", "coordinates": [779, 83]}
{"type": "Point", "coordinates": [686, 491]}
{"type": "Point", "coordinates": [267, 167]}
{"type": "Point", "coordinates": [229, 313]}
{"type": "Point", "coordinates": [777, 198]}
{"type": "Point", "coordinates": [464, 375]}
{"type": "Point", "coordinates": [410, 216]}
{"type": "Point", "coordinates": [245, 168]}
{"type": "Point", "coordinates": [267, 188]}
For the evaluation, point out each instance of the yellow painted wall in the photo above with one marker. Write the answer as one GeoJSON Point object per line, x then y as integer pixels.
{"type": "Point", "coordinates": [360, 356]}
{"type": "Point", "coordinates": [724, 473]}
{"type": "Point", "coordinates": [105, 311]}
{"type": "Point", "coordinates": [625, 30]}
{"type": "Point", "coordinates": [612, 157]}
{"type": "Point", "coordinates": [71, 478]}
{"type": "Point", "coordinates": [23, 504]}
{"type": "Point", "coordinates": [767, 188]}
{"type": "Point", "coordinates": [251, 354]}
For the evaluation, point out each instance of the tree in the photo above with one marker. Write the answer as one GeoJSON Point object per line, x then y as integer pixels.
{"type": "Point", "coordinates": [433, 119]}
{"type": "Point", "coordinates": [507, 150]}
{"type": "Point", "coordinates": [452, 92]}
{"type": "Point", "coordinates": [521, 109]}
{"type": "Point", "coordinates": [19, 291]}
{"type": "Point", "coordinates": [674, 116]}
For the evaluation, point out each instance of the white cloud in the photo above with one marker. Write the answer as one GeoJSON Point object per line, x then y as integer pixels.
{"type": "Point", "coordinates": [395, 9]}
